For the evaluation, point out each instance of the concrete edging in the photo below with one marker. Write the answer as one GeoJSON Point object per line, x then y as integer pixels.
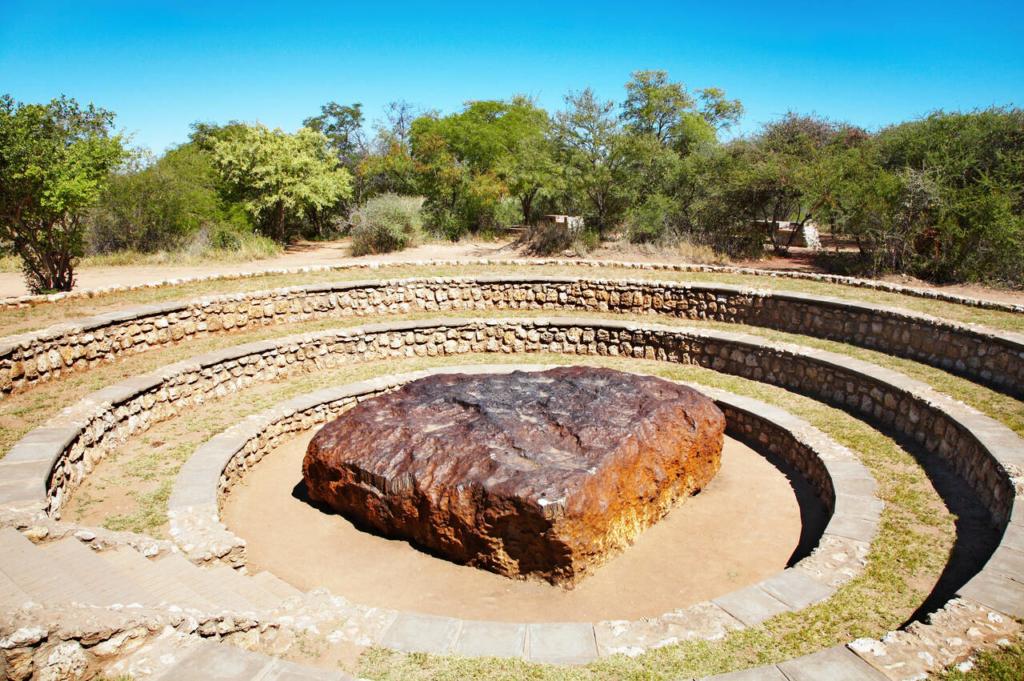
{"type": "Point", "coordinates": [842, 482]}
{"type": "Point", "coordinates": [983, 451]}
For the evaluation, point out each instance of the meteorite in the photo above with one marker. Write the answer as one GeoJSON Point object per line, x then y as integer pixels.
{"type": "Point", "coordinates": [528, 474]}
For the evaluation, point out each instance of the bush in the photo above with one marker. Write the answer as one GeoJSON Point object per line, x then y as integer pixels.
{"type": "Point", "coordinates": [161, 205]}
{"type": "Point", "coordinates": [387, 223]}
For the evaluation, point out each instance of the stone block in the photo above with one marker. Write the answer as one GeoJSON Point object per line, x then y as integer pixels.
{"type": "Point", "coordinates": [796, 589]}
{"type": "Point", "coordinates": [751, 605]}
{"type": "Point", "coordinates": [417, 633]}
{"type": "Point", "coordinates": [498, 639]}
{"type": "Point", "coordinates": [833, 664]}
{"type": "Point", "coordinates": [562, 643]}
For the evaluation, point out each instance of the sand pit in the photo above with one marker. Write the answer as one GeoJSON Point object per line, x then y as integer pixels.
{"type": "Point", "coordinates": [742, 528]}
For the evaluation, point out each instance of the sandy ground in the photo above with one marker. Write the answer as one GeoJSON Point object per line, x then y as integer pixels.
{"type": "Point", "coordinates": [300, 255]}
{"type": "Point", "coordinates": [743, 527]}
{"type": "Point", "coordinates": [326, 253]}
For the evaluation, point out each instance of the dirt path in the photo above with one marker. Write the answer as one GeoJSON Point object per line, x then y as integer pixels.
{"type": "Point", "coordinates": [300, 255]}
{"type": "Point", "coordinates": [741, 529]}
{"type": "Point", "coordinates": [337, 252]}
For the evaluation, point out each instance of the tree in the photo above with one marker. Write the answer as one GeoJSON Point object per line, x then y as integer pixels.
{"type": "Point", "coordinates": [596, 156]}
{"type": "Point", "coordinates": [663, 108]}
{"type": "Point", "coordinates": [158, 204]}
{"type": "Point", "coordinates": [279, 173]}
{"type": "Point", "coordinates": [503, 148]}
{"type": "Point", "coordinates": [343, 128]}
{"type": "Point", "coordinates": [55, 159]}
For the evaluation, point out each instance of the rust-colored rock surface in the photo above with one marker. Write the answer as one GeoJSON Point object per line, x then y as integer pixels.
{"type": "Point", "coordinates": [529, 474]}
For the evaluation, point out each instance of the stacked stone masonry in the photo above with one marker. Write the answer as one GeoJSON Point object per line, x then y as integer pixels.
{"type": "Point", "coordinates": [992, 357]}
{"type": "Point", "coordinates": [833, 471]}
{"type": "Point", "coordinates": [27, 301]}
{"type": "Point", "coordinates": [41, 469]}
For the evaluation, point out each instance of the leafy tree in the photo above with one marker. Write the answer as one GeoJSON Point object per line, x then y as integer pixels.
{"type": "Point", "coordinates": [158, 204]}
{"type": "Point", "coordinates": [343, 128]}
{"type": "Point", "coordinates": [500, 146]}
{"type": "Point", "coordinates": [656, 106]}
{"type": "Point", "coordinates": [596, 156]}
{"type": "Point", "coordinates": [278, 174]}
{"type": "Point", "coordinates": [55, 160]}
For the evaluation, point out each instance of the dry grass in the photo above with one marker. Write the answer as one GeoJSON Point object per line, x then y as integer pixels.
{"type": "Point", "coordinates": [21, 320]}
{"type": "Point", "coordinates": [916, 534]}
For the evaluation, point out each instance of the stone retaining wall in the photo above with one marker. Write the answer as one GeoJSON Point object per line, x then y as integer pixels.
{"type": "Point", "coordinates": [987, 454]}
{"type": "Point", "coordinates": [21, 302]}
{"type": "Point", "coordinates": [842, 482]}
{"type": "Point", "coordinates": [46, 464]}
{"type": "Point", "coordinates": [993, 357]}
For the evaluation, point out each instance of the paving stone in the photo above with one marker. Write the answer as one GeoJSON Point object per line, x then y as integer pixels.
{"type": "Point", "coordinates": [769, 673]}
{"type": "Point", "coordinates": [289, 671]}
{"type": "Point", "coordinates": [796, 589]}
{"type": "Point", "coordinates": [751, 605]}
{"type": "Point", "coordinates": [1007, 562]}
{"type": "Point", "coordinates": [867, 508]}
{"type": "Point", "coordinates": [834, 664]}
{"type": "Point", "coordinates": [157, 577]}
{"type": "Point", "coordinates": [852, 528]}
{"type": "Point", "coordinates": [276, 585]}
{"type": "Point", "coordinates": [218, 662]}
{"type": "Point", "coordinates": [562, 642]}
{"type": "Point", "coordinates": [111, 585]}
{"type": "Point", "coordinates": [35, 573]}
{"type": "Point", "coordinates": [1013, 537]}
{"type": "Point", "coordinates": [498, 639]}
{"type": "Point", "coordinates": [413, 632]}
{"type": "Point", "coordinates": [996, 591]}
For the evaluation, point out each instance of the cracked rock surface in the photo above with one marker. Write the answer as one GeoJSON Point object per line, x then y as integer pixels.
{"type": "Point", "coordinates": [530, 474]}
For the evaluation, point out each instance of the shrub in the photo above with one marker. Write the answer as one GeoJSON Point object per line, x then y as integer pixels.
{"type": "Point", "coordinates": [387, 223]}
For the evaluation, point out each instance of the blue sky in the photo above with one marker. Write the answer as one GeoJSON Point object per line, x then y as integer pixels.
{"type": "Point", "coordinates": [161, 66]}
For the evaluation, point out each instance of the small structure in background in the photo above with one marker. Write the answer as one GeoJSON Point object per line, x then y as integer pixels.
{"type": "Point", "coordinates": [783, 234]}
{"type": "Point", "coordinates": [573, 224]}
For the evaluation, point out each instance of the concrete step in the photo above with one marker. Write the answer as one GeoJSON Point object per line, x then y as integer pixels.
{"type": "Point", "coordinates": [110, 584]}
{"type": "Point", "coordinates": [11, 594]}
{"type": "Point", "coordinates": [157, 578]}
{"type": "Point", "coordinates": [221, 662]}
{"type": "Point", "coordinates": [37, 574]}
{"type": "Point", "coordinates": [206, 585]}
{"type": "Point", "coordinates": [276, 585]}
{"type": "Point", "coordinates": [250, 590]}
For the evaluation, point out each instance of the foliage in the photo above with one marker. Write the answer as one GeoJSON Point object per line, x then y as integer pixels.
{"type": "Point", "coordinates": [466, 163]}
{"type": "Point", "coordinates": [595, 154]}
{"type": "Point", "coordinates": [160, 205]}
{"type": "Point", "coordinates": [656, 106]}
{"type": "Point", "coordinates": [55, 160]}
{"type": "Point", "coordinates": [386, 223]}
{"type": "Point", "coordinates": [277, 174]}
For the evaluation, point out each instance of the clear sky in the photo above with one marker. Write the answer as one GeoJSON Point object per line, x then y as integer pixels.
{"type": "Point", "coordinates": [162, 65]}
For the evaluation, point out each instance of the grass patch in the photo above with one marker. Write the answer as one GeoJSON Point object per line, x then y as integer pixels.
{"type": "Point", "coordinates": [1006, 664]}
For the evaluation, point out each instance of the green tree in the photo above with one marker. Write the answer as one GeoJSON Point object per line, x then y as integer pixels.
{"type": "Point", "coordinates": [158, 204]}
{"type": "Point", "coordinates": [663, 108]}
{"type": "Point", "coordinates": [55, 160]}
{"type": "Point", "coordinates": [343, 127]}
{"type": "Point", "coordinates": [596, 155]}
{"type": "Point", "coordinates": [278, 174]}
